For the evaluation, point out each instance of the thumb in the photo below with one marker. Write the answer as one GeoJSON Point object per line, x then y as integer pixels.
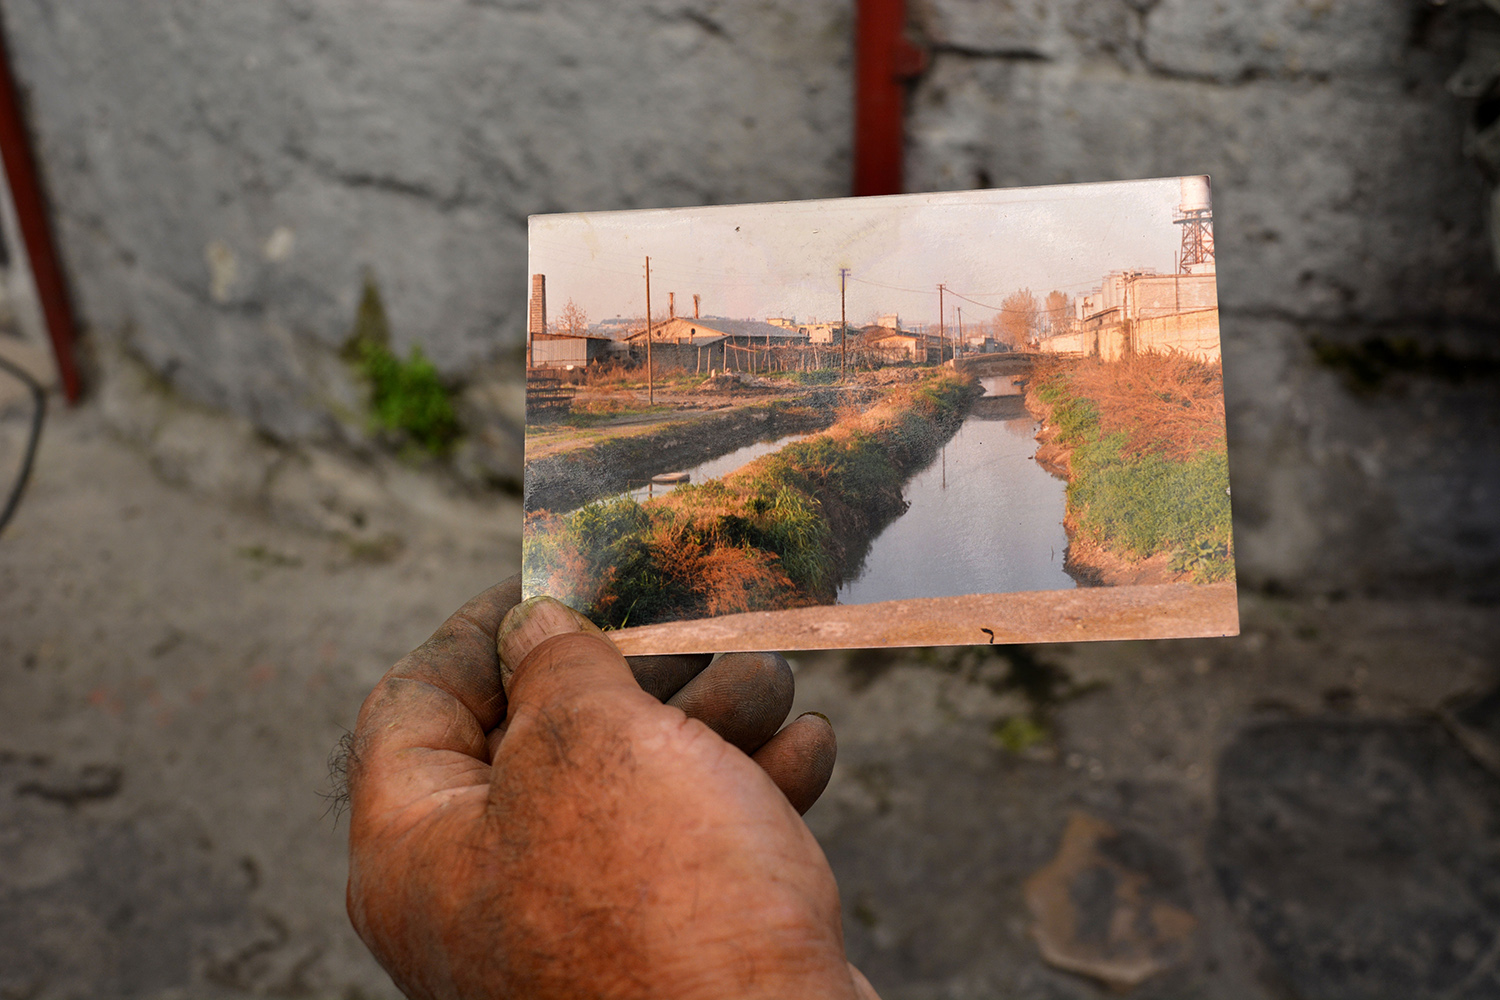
{"type": "Point", "coordinates": [551, 654]}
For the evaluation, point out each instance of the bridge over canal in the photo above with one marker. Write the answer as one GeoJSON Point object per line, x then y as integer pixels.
{"type": "Point", "coordinates": [1001, 404]}
{"type": "Point", "coordinates": [1003, 363]}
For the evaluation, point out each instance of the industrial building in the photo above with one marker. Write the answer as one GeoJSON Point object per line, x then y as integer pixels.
{"type": "Point", "coordinates": [711, 342]}
{"type": "Point", "coordinates": [1144, 311]}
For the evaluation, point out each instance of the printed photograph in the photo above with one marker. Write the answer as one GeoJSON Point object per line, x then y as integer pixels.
{"type": "Point", "coordinates": [968, 417]}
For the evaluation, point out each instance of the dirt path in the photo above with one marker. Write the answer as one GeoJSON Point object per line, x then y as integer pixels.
{"type": "Point", "coordinates": [173, 675]}
{"type": "Point", "coordinates": [548, 440]}
{"type": "Point", "coordinates": [174, 672]}
{"type": "Point", "coordinates": [586, 465]}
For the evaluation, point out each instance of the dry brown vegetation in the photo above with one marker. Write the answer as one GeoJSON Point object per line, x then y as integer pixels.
{"type": "Point", "coordinates": [1166, 404]}
{"type": "Point", "coordinates": [773, 534]}
{"type": "Point", "coordinates": [1142, 444]}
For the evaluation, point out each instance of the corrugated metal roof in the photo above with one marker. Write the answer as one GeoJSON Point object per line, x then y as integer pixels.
{"type": "Point", "coordinates": [878, 333]}
{"type": "Point", "coordinates": [752, 328]}
{"type": "Point", "coordinates": [749, 328]}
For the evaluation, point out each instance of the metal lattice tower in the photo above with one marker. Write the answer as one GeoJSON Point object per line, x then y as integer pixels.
{"type": "Point", "coordinates": [1197, 238]}
{"type": "Point", "coordinates": [1195, 215]}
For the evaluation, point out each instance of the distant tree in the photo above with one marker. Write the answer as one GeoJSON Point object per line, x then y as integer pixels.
{"type": "Point", "coordinates": [572, 321]}
{"type": "Point", "coordinates": [1019, 319]}
{"type": "Point", "coordinates": [1059, 312]}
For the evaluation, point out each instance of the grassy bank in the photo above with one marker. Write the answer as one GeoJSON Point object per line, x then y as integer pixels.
{"type": "Point", "coordinates": [584, 463]}
{"type": "Point", "coordinates": [1142, 442]}
{"type": "Point", "coordinates": [775, 534]}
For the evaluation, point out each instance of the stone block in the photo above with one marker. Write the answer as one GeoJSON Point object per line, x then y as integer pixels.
{"type": "Point", "coordinates": [1222, 40]}
{"type": "Point", "coordinates": [1331, 201]}
{"type": "Point", "coordinates": [225, 176]}
{"type": "Point", "coordinates": [1035, 29]}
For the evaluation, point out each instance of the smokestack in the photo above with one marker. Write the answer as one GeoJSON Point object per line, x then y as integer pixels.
{"type": "Point", "coordinates": [671, 305]}
{"type": "Point", "coordinates": [537, 321]}
{"type": "Point", "coordinates": [695, 306]}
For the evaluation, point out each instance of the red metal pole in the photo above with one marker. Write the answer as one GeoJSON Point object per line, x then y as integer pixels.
{"type": "Point", "coordinates": [31, 213]}
{"type": "Point", "coordinates": [883, 61]}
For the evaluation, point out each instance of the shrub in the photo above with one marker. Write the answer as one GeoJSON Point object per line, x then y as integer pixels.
{"type": "Point", "coordinates": [406, 397]}
{"type": "Point", "coordinates": [769, 535]}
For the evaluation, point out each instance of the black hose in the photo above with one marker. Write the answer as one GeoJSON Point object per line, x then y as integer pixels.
{"type": "Point", "coordinates": [40, 396]}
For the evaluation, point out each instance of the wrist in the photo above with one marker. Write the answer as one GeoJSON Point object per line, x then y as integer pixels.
{"type": "Point", "coordinates": [788, 962]}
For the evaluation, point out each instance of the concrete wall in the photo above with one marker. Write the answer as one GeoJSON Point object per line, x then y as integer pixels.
{"type": "Point", "coordinates": [1350, 231]}
{"type": "Point", "coordinates": [1193, 333]}
{"type": "Point", "coordinates": [560, 352]}
{"type": "Point", "coordinates": [224, 174]}
{"type": "Point", "coordinates": [1167, 294]}
{"type": "Point", "coordinates": [1113, 342]}
{"type": "Point", "coordinates": [1078, 342]}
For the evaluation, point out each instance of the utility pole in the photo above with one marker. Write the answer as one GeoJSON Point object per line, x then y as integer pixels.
{"type": "Point", "coordinates": [843, 324]}
{"type": "Point", "coordinates": [942, 329]}
{"type": "Point", "coordinates": [960, 343]}
{"type": "Point", "coordinates": [650, 379]}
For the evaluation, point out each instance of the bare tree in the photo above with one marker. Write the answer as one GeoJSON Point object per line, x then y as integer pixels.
{"type": "Point", "coordinates": [1059, 312]}
{"type": "Point", "coordinates": [572, 321]}
{"type": "Point", "coordinates": [1019, 319]}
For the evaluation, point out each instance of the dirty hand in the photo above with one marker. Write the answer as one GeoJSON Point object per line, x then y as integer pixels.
{"type": "Point", "coordinates": [529, 820]}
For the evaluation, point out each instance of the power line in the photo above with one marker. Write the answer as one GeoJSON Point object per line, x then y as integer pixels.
{"type": "Point", "coordinates": [1002, 309]}
{"type": "Point", "coordinates": [894, 288]}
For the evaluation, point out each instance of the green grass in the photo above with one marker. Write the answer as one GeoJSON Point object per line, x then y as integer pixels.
{"type": "Point", "coordinates": [1144, 504]}
{"type": "Point", "coordinates": [770, 535]}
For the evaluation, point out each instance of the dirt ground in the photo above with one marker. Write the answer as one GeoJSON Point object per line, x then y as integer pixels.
{"type": "Point", "coordinates": [1306, 810]}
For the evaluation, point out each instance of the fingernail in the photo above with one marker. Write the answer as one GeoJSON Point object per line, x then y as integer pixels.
{"type": "Point", "coordinates": [818, 714]}
{"type": "Point", "coordinates": [531, 623]}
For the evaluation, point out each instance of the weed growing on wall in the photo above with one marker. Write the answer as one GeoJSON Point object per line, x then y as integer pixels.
{"type": "Point", "coordinates": [407, 397]}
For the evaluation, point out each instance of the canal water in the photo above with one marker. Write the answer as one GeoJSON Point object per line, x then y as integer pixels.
{"type": "Point", "coordinates": [983, 518]}
{"type": "Point", "coordinates": [716, 467]}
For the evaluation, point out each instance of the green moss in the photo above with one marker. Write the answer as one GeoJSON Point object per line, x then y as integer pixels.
{"type": "Point", "coordinates": [408, 396]}
{"type": "Point", "coordinates": [1020, 732]}
{"type": "Point", "coordinates": [268, 557]}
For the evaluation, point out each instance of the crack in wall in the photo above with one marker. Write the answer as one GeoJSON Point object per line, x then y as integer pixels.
{"type": "Point", "coordinates": [1002, 53]}
{"type": "Point", "coordinates": [357, 179]}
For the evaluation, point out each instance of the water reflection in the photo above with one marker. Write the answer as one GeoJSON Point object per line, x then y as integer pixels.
{"type": "Point", "coordinates": [717, 467]}
{"type": "Point", "coordinates": [984, 518]}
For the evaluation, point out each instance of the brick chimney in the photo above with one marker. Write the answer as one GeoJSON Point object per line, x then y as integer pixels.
{"type": "Point", "coordinates": [695, 306]}
{"type": "Point", "coordinates": [671, 305]}
{"type": "Point", "coordinates": [536, 320]}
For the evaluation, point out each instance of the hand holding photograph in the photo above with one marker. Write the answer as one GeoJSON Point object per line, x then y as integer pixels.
{"type": "Point", "coordinates": [967, 417]}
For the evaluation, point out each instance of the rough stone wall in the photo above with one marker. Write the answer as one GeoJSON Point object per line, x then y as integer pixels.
{"type": "Point", "coordinates": [224, 174]}
{"type": "Point", "coordinates": [1358, 298]}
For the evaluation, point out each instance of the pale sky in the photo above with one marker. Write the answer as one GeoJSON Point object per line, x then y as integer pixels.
{"type": "Point", "coordinates": [783, 259]}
